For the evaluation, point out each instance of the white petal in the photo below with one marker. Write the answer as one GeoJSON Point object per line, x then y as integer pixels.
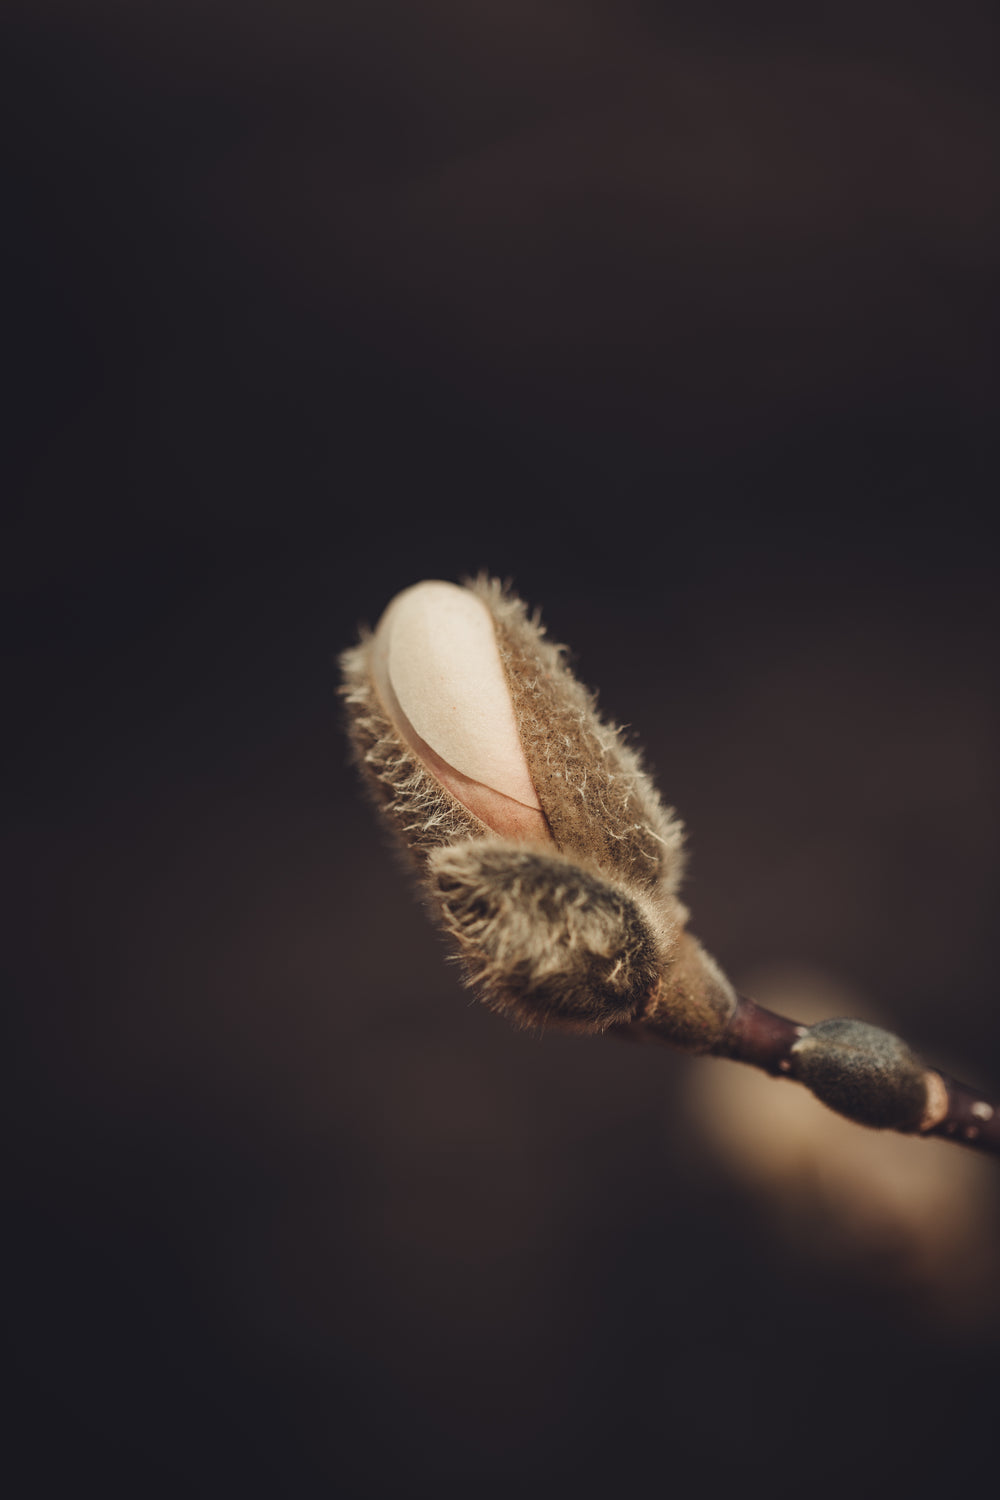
{"type": "Point", "coordinates": [436, 651]}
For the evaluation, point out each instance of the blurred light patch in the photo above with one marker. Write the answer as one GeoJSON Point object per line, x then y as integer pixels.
{"type": "Point", "coordinates": [915, 1219]}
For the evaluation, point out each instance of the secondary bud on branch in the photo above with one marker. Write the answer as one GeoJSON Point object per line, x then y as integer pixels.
{"type": "Point", "coordinates": [863, 1072]}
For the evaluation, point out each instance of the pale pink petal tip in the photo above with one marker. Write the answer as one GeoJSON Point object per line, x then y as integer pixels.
{"type": "Point", "coordinates": [438, 671]}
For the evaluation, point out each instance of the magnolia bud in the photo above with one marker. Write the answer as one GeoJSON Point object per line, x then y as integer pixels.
{"type": "Point", "coordinates": [543, 843]}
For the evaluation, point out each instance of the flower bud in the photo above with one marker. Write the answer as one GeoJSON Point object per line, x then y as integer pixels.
{"type": "Point", "coordinates": [863, 1072]}
{"type": "Point", "coordinates": [543, 843]}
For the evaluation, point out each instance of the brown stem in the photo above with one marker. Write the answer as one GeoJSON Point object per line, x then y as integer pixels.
{"type": "Point", "coordinates": [759, 1037]}
{"type": "Point", "coordinates": [955, 1112]}
{"type": "Point", "coordinates": [971, 1120]}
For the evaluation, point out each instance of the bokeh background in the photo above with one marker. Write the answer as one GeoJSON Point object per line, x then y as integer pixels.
{"type": "Point", "coordinates": [684, 318]}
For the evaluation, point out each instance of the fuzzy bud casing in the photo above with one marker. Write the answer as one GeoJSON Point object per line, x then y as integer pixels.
{"type": "Point", "coordinates": [545, 849]}
{"type": "Point", "coordinates": [545, 938]}
{"type": "Point", "coordinates": [863, 1072]}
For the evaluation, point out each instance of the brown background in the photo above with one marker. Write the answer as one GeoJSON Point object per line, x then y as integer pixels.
{"type": "Point", "coordinates": [684, 318]}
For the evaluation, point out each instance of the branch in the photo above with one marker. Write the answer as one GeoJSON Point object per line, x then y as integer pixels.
{"type": "Point", "coordinates": [862, 1072]}
{"type": "Point", "coordinates": [548, 857]}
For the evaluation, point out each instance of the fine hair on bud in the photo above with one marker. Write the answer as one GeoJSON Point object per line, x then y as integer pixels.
{"type": "Point", "coordinates": [544, 939]}
{"type": "Point", "coordinates": [601, 805]}
{"type": "Point", "coordinates": [863, 1072]}
{"type": "Point", "coordinates": [541, 841]}
{"type": "Point", "coordinates": [421, 812]}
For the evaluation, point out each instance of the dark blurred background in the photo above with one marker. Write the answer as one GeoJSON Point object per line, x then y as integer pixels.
{"type": "Point", "coordinates": [684, 318]}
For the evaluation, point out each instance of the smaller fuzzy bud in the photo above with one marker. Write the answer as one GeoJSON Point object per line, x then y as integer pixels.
{"type": "Point", "coordinates": [544, 939]}
{"type": "Point", "coordinates": [863, 1072]}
